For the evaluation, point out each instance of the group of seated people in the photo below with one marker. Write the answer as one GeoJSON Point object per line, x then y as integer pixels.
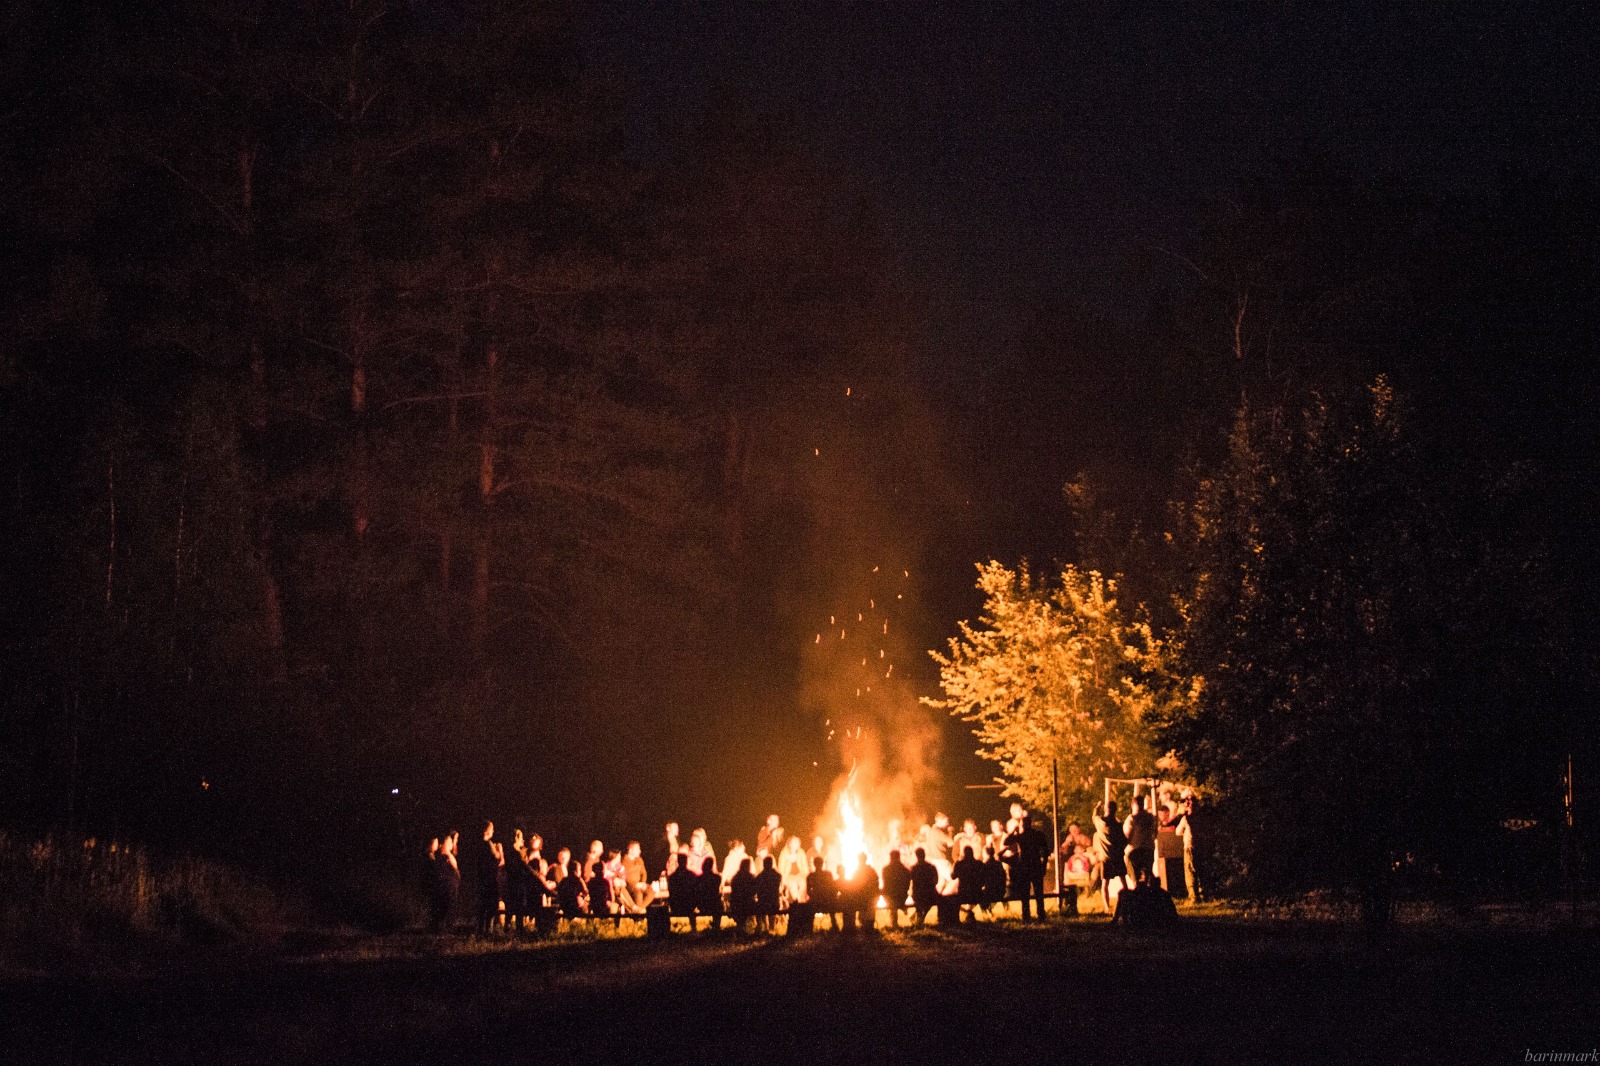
{"type": "Point", "coordinates": [934, 870]}
{"type": "Point", "coordinates": [851, 899]}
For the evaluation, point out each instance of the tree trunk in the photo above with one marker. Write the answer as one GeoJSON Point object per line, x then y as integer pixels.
{"type": "Point", "coordinates": [360, 502]}
{"type": "Point", "coordinates": [111, 546]}
{"type": "Point", "coordinates": [480, 598]}
{"type": "Point", "coordinates": [256, 404]}
{"type": "Point", "coordinates": [271, 607]}
{"type": "Point", "coordinates": [452, 439]}
{"type": "Point", "coordinates": [273, 616]}
{"type": "Point", "coordinates": [486, 483]}
{"type": "Point", "coordinates": [735, 476]}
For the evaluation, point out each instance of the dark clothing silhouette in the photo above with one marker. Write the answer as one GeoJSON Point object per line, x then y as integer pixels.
{"type": "Point", "coordinates": [924, 888]}
{"type": "Point", "coordinates": [1142, 829]}
{"type": "Point", "coordinates": [969, 875]}
{"type": "Point", "coordinates": [541, 892]}
{"type": "Point", "coordinates": [485, 867]}
{"type": "Point", "coordinates": [742, 896]}
{"type": "Point", "coordinates": [446, 890]}
{"type": "Point", "coordinates": [683, 886]}
{"type": "Point", "coordinates": [519, 886]}
{"type": "Point", "coordinates": [1028, 848]}
{"type": "Point", "coordinates": [823, 892]}
{"type": "Point", "coordinates": [599, 893]}
{"type": "Point", "coordinates": [994, 881]}
{"type": "Point", "coordinates": [859, 898]}
{"type": "Point", "coordinates": [708, 894]}
{"type": "Point", "coordinates": [896, 887]}
{"type": "Point", "coordinates": [1145, 906]}
{"type": "Point", "coordinates": [569, 894]}
{"type": "Point", "coordinates": [768, 885]}
{"type": "Point", "coordinates": [1116, 864]}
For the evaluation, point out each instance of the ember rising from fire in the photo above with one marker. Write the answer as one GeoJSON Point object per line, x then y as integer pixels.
{"type": "Point", "coordinates": [884, 742]}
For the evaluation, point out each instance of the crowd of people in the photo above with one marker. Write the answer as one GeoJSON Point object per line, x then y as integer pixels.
{"type": "Point", "coordinates": [935, 870]}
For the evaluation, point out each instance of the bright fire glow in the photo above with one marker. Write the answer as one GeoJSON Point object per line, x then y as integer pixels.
{"type": "Point", "coordinates": [852, 832]}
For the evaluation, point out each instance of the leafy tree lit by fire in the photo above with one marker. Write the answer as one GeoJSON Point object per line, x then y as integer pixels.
{"type": "Point", "coordinates": [1057, 672]}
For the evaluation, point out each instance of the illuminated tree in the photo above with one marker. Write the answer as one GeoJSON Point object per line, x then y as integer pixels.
{"type": "Point", "coordinates": [1056, 674]}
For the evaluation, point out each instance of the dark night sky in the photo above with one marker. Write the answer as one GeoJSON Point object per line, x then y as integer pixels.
{"type": "Point", "coordinates": [1039, 167]}
{"type": "Point", "coordinates": [1025, 152]}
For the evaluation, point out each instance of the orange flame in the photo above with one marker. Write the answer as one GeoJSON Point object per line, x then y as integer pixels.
{"type": "Point", "coordinates": [852, 832]}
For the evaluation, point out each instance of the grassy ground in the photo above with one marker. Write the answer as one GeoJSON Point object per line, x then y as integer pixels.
{"type": "Point", "coordinates": [1225, 988]}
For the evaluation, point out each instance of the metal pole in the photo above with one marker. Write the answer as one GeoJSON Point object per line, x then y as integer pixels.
{"type": "Point", "coordinates": [1055, 829]}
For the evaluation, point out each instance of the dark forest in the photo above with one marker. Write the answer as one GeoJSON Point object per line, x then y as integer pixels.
{"type": "Point", "coordinates": [389, 438]}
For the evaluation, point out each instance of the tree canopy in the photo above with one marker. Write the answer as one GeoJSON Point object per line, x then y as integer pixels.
{"type": "Point", "coordinates": [370, 414]}
{"type": "Point", "coordinates": [1054, 674]}
{"type": "Point", "coordinates": [1355, 635]}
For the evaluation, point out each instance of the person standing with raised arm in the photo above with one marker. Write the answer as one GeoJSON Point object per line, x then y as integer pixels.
{"type": "Point", "coordinates": [1141, 830]}
{"type": "Point", "coordinates": [1110, 851]}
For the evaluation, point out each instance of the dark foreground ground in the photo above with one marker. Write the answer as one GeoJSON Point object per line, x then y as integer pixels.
{"type": "Point", "coordinates": [1223, 990]}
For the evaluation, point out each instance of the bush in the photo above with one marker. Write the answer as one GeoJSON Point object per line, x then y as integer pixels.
{"type": "Point", "coordinates": [372, 904]}
{"type": "Point", "coordinates": [63, 902]}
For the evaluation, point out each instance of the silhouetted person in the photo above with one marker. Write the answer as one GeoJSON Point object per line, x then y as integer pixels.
{"type": "Point", "coordinates": [968, 874]}
{"type": "Point", "coordinates": [486, 874]}
{"type": "Point", "coordinates": [1141, 841]}
{"type": "Point", "coordinates": [570, 892]}
{"type": "Point", "coordinates": [446, 882]}
{"type": "Point", "coordinates": [769, 884]}
{"type": "Point", "coordinates": [924, 885]}
{"type": "Point", "coordinates": [1111, 846]}
{"type": "Point", "coordinates": [1145, 906]}
{"type": "Point", "coordinates": [708, 889]}
{"type": "Point", "coordinates": [859, 896]}
{"type": "Point", "coordinates": [896, 886]}
{"type": "Point", "coordinates": [823, 891]}
{"type": "Point", "coordinates": [545, 878]}
{"type": "Point", "coordinates": [599, 889]}
{"type": "Point", "coordinates": [1028, 849]}
{"type": "Point", "coordinates": [742, 896]}
{"type": "Point", "coordinates": [427, 873]}
{"type": "Point", "coordinates": [519, 883]}
{"type": "Point", "coordinates": [994, 881]}
{"type": "Point", "coordinates": [682, 889]}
